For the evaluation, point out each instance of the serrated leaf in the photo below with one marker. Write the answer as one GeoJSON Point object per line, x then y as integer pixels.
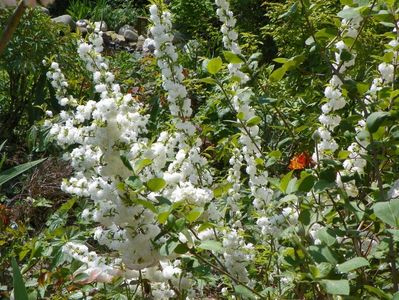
{"type": "Point", "coordinates": [156, 184]}
{"type": "Point", "coordinates": [352, 264]}
{"type": "Point", "coordinates": [214, 65]}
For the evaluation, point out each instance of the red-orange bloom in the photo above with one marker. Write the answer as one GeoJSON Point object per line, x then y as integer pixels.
{"type": "Point", "coordinates": [300, 161]}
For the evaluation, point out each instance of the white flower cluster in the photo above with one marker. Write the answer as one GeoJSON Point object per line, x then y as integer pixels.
{"type": "Point", "coordinates": [230, 37]}
{"type": "Point", "coordinates": [333, 92]}
{"type": "Point", "coordinates": [249, 155]}
{"type": "Point", "coordinates": [172, 72]}
{"type": "Point", "coordinates": [237, 254]}
{"type": "Point", "coordinates": [95, 267]}
{"type": "Point", "coordinates": [355, 163]}
{"type": "Point", "coordinates": [102, 130]}
{"type": "Point", "coordinates": [274, 225]}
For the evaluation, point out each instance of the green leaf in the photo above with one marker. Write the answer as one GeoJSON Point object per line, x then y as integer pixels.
{"type": "Point", "coordinates": [141, 164]}
{"type": "Point", "coordinates": [388, 212]}
{"type": "Point", "coordinates": [208, 80]}
{"type": "Point", "coordinates": [194, 214]}
{"type": "Point", "coordinates": [126, 162]}
{"type": "Point", "coordinates": [163, 213]}
{"type": "Point", "coordinates": [327, 236]}
{"type": "Point", "coordinates": [285, 180]}
{"type": "Point", "coordinates": [254, 121]}
{"type": "Point", "coordinates": [278, 74]}
{"type": "Point", "coordinates": [221, 190]}
{"type": "Point", "coordinates": [168, 248]}
{"type": "Point", "coordinates": [181, 249]}
{"type": "Point", "coordinates": [336, 287]}
{"type": "Point", "coordinates": [275, 154]}
{"type": "Point", "coordinates": [349, 13]}
{"type": "Point", "coordinates": [19, 285]}
{"type": "Point", "coordinates": [352, 264]}
{"type": "Point", "coordinates": [379, 293]}
{"type": "Point", "coordinates": [232, 57]}
{"type": "Point", "coordinates": [305, 184]}
{"type": "Point", "coordinates": [290, 11]}
{"type": "Point", "coordinates": [134, 182]}
{"type": "Point", "coordinates": [214, 65]}
{"type": "Point", "coordinates": [156, 184]}
{"type": "Point", "coordinates": [147, 204]}
{"type": "Point", "coordinates": [322, 185]}
{"type": "Point", "coordinates": [13, 172]}
{"type": "Point", "coordinates": [211, 245]}
{"type": "Point", "coordinates": [374, 120]}
{"type": "Point", "coordinates": [244, 292]}
{"type": "Point", "coordinates": [322, 270]}
{"type": "Point", "coordinates": [2, 145]}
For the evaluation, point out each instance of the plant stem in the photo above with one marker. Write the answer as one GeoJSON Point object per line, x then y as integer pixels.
{"type": "Point", "coordinates": [12, 24]}
{"type": "Point", "coordinates": [236, 281]}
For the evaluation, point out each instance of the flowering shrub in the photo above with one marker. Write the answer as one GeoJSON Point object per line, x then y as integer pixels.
{"type": "Point", "coordinates": [178, 222]}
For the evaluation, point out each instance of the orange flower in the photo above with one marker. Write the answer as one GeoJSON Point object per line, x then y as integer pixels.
{"type": "Point", "coordinates": [300, 161]}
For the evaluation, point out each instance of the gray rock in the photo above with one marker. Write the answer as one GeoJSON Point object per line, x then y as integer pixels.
{"type": "Point", "coordinates": [124, 28]}
{"type": "Point", "coordinates": [131, 36]}
{"type": "Point", "coordinates": [114, 37]}
{"type": "Point", "coordinates": [82, 23]}
{"type": "Point", "coordinates": [140, 43]}
{"type": "Point", "coordinates": [129, 33]}
{"type": "Point", "coordinates": [101, 26]}
{"type": "Point", "coordinates": [66, 20]}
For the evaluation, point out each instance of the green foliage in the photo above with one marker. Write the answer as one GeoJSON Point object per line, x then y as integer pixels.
{"type": "Point", "coordinates": [24, 91]}
{"type": "Point", "coordinates": [115, 15]}
{"type": "Point", "coordinates": [193, 17]}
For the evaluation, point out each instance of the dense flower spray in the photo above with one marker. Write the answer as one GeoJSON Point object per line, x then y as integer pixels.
{"type": "Point", "coordinates": [333, 92]}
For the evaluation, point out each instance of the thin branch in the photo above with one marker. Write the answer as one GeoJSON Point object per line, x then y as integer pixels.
{"type": "Point", "coordinates": [12, 25]}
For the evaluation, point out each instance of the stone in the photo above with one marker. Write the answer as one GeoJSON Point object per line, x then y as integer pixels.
{"type": "Point", "coordinates": [101, 26]}
{"type": "Point", "coordinates": [140, 43]}
{"type": "Point", "coordinates": [131, 36]}
{"type": "Point", "coordinates": [82, 23]}
{"type": "Point", "coordinates": [129, 33]}
{"type": "Point", "coordinates": [114, 37]}
{"type": "Point", "coordinates": [124, 28]}
{"type": "Point", "coordinates": [66, 20]}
